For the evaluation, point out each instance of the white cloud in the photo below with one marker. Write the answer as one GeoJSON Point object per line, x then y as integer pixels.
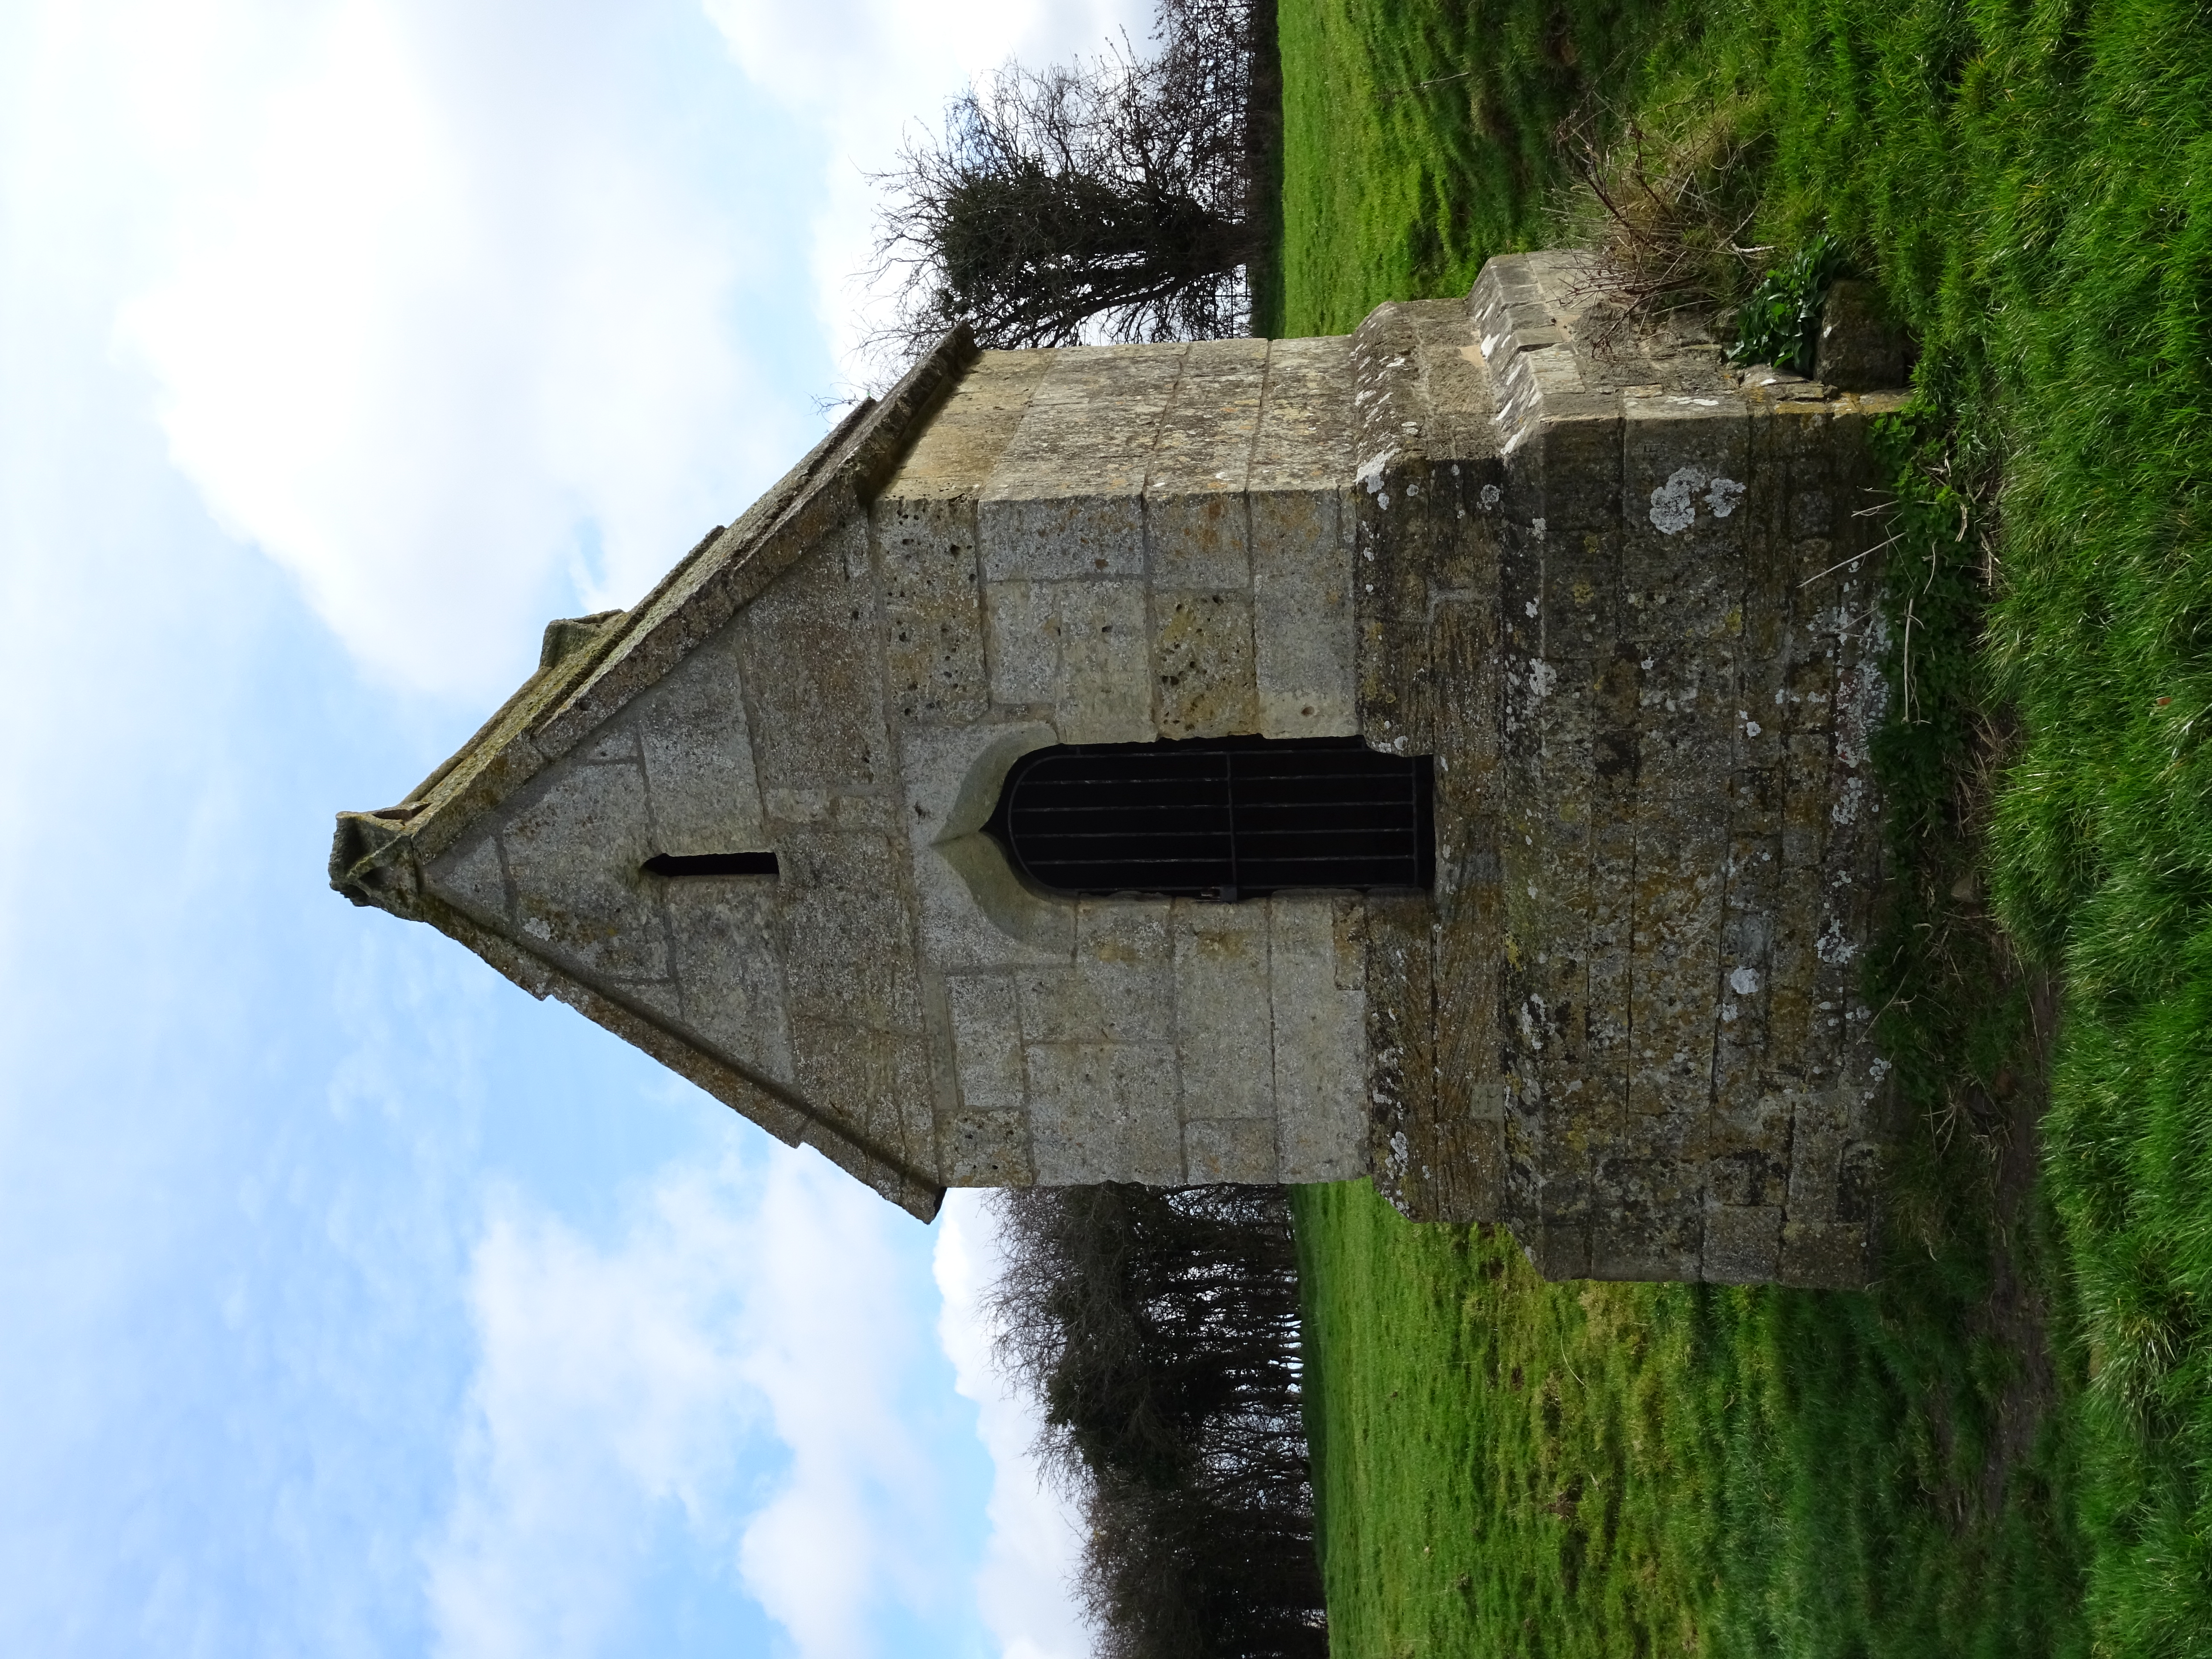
{"type": "Point", "coordinates": [835, 1335]}
{"type": "Point", "coordinates": [453, 326]}
{"type": "Point", "coordinates": [609, 1382]}
{"type": "Point", "coordinates": [1036, 1539]}
{"type": "Point", "coordinates": [465, 315]}
{"type": "Point", "coordinates": [742, 1316]}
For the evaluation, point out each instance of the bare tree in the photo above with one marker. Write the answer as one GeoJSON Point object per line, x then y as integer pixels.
{"type": "Point", "coordinates": [1114, 201]}
{"type": "Point", "coordinates": [1159, 1332]}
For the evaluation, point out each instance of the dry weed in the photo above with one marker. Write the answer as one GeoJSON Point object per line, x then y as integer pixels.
{"type": "Point", "coordinates": [1666, 215]}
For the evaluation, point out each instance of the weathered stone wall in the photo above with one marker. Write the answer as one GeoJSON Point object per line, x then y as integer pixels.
{"type": "Point", "coordinates": [1628, 592]}
{"type": "Point", "coordinates": [1067, 554]}
{"type": "Point", "coordinates": [770, 735]}
{"type": "Point", "coordinates": [1110, 545]}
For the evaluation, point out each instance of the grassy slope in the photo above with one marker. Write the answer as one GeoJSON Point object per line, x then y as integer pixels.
{"type": "Point", "coordinates": [1503, 1452]}
{"type": "Point", "coordinates": [1506, 1466]}
{"type": "Point", "coordinates": [1418, 137]}
{"type": "Point", "coordinates": [2034, 185]}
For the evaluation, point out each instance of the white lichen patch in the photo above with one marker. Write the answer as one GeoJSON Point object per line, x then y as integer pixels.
{"type": "Point", "coordinates": [1833, 946]}
{"type": "Point", "coordinates": [1675, 503]}
{"type": "Point", "coordinates": [1846, 809]}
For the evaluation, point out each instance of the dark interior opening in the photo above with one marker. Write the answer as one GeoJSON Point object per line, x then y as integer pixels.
{"type": "Point", "coordinates": [711, 864]}
{"type": "Point", "coordinates": [1219, 818]}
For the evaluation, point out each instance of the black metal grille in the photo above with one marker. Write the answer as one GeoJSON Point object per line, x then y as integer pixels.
{"type": "Point", "coordinates": [1223, 818]}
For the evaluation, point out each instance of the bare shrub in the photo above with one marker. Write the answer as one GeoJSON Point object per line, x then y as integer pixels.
{"type": "Point", "coordinates": [1667, 216]}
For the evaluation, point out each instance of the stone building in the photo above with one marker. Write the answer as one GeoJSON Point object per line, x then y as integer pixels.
{"type": "Point", "coordinates": [1612, 602]}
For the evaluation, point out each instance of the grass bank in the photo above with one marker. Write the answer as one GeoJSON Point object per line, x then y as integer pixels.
{"type": "Point", "coordinates": [1601, 1470]}
{"type": "Point", "coordinates": [1912, 1470]}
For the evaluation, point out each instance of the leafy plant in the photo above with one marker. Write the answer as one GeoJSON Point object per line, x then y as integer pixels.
{"type": "Point", "coordinates": [1780, 323]}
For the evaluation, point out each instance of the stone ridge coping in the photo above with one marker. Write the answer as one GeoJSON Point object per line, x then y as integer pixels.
{"type": "Point", "coordinates": [574, 693]}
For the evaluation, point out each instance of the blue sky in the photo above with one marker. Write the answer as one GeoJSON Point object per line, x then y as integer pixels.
{"type": "Point", "coordinates": [354, 1303]}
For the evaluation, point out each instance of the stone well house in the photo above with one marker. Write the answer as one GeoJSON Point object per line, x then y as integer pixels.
{"type": "Point", "coordinates": [1594, 612]}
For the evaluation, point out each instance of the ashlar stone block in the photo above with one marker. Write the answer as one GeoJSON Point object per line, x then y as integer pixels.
{"type": "Point", "coordinates": [1061, 539]}
{"type": "Point", "coordinates": [986, 1035]}
{"type": "Point", "coordinates": [1075, 651]}
{"type": "Point", "coordinates": [697, 744]}
{"type": "Point", "coordinates": [961, 444]}
{"type": "Point", "coordinates": [1222, 1010]}
{"type": "Point", "coordinates": [729, 970]}
{"type": "Point", "coordinates": [473, 877]}
{"type": "Point", "coordinates": [1120, 987]}
{"type": "Point", "coordinates": [933, 657]}
{"type": "Point", "coordinates": [1022, 626]}
{"type": "Point", "coordinates": [987, 1149]}
{"type": "Point", "coordinates": [1104, 666]}
{"type": "Point", "coordinates": [813, 669]}
{"type": "Point", "coordinates": [1742, 1245]}
{"type": "Point", "coordinates": [1302, 613]}
{"type": "Point", "coordinates": [845, 932]}
{"type": "Point", "coordinates": [575, 855]}
{"type": "Point", "coordinates": [1198, 538]}
{"type": "Point", "coordinates": [1229, 1149]}
{"type": "Point", "coordinates": [1105, 1111]}
{"type": "Point", "coordinates": [1202, 660]}
{"type": "Point", "coordinates": [1304, 437]}
{"type": "Point", "coordinates": [1317, 985]}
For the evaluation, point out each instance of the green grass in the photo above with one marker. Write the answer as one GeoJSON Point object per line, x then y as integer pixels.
{"type": "Point", "coordinates": [1507, 1459]}
{"type": "Point", "coordinates": [1418, 138]}
{"type": "Point", "coordinates": [1509, 1466]}
{"type": "Point", "coordinates": [2033, 185]}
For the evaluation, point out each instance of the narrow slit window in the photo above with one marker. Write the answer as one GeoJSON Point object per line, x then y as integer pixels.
{"type": "Point", "coordinates": [1217, 818]}
{"type": "Point", "coordinates": [677, 865]}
